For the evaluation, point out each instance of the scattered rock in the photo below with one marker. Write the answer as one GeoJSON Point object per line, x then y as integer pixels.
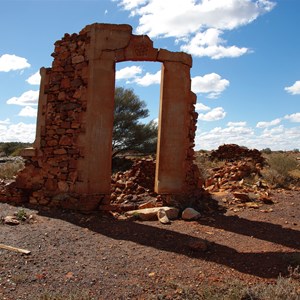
{"type": "Point", "coordinates": [11, 220]}
{"type": "Point", "coordinates": [190, 214]}
{"type": "Point", "coordinates": [162, 217]}
{"type": "Point", "coordinates": [243, 197]}
{"type": "Point", "coordinates": [266, 200]}
{"type": "Point", "coordinates": [147, 214]}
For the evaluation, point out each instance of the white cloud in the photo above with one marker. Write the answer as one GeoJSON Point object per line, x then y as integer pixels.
{"type": "Point", "coordinates": [293, 117]}
{"type": "Point", "coordinates": [208, 43]}
{"type": "Point", "coordinates": [165, 18]}
{"type": "Point", "coordinates": [277, 138]}
{"type": "Point", "coordinates": [294, 89]}
{"type": "Point", "coordinates": [27, 98]}
{"type": "Point", "coordinates": [201, 106]}
{"type": "Point", "coordinates": [34, 79]}
{"type": "Point", "coordinates": [18, 133]}
{"type": "Point", "coordinates": [268, 124]}
{"type": "Point", "coordinates": [5, 122]}
{"type": "Point", "coordinates": [236, 124]}
{"type": "Point", "coordinates": [273, 131]}
{"type": "Point", "coordinates": [11, 62]}
{"type": "Point", "coordinates": [28, 111]}
{"type": "Point", "coordinates": [204, 21]}
{"type": "Point", "coordinates": [149, 79]}
{"type": "Point", "coordinates": [218, 136]}
{"type": "Point", "coordinates": [211, 84]}
{"type": "Point", "coordinates": [130, 4]}
{"type": "Point", "coordinates": [128, 72]}
{"type": "Point", "coordinates": [215, 114]}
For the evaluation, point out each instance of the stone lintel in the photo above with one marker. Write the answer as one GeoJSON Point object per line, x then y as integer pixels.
{"type": "Point", "coordinates": [140, 48]}
{"type": "Point", "coordinates": [106, 26]}
{"type": "Point", "coordinates": [165, 55]}
{"type": "Point", "coordinates": [108, 37]}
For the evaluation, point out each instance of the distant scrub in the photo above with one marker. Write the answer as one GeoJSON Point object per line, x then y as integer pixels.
{"type": "Point", "coordinates": [282, 171]}
{"type": "Point", "coordinates": [12, 148]}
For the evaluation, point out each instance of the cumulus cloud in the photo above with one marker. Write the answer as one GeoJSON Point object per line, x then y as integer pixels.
{"type": "Point", "coordinates": [27, 98]}
{"type": "Point", "coordinates": [201, 106]}
{"type": "Point", "coordinates": [165, 18]}
{"type": "Point", "coordinates": [133, 74]}
{"type": "Point", "coordinates": [130, 4]}
{"type": "Point", "coordinates": [204, 21]}
{"type": "Point", "coordinates": [215, 114]}
{"type": "Point", "coordinates": [236, 124]}
{"type": "Point", "coordinates": [209, 43]}
{"type": "Point", "coordinates": [294, 89]}
{"type": "Point", "coordinates": [5, 122]}
{"type": "Point", "coordinates": [268, 124]}
{"type": "Point", "coordinates": [293, 117]}
{"type": "Point", "coordinates": [128, 72]}
{"type": "Point", "coordinates": [28, 111]}
{"type": "Point", "coordinates": [34, 79]}
{"type": "Point", "coordinates": [149, 79]}
{"type": "Point", "coordinates": [217, 136]}
{"type": "Point", "coordinates": [211, 84]}
{"type": "Point", "coordinates": [20, 132]}
{"type": "Point", "coordinates": [276, 138]}
{"type": "Point", "coordinates": [11, 62]}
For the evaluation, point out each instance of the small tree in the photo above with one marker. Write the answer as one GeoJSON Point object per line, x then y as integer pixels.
{"type": "Point", "coordinates": [128, 132]}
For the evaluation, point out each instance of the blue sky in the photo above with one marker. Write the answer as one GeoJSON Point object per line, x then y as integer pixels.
{"type": "Point", "coordinates": [246, 66]}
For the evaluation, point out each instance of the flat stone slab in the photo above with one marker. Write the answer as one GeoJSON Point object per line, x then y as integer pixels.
{"type": "Point", "coordinates": [190, 214]}
{"type": "Point", "coordinates": [147, 214]}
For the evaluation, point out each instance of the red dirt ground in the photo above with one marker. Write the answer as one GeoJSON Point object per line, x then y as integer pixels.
{"type": "Point", "coordinates": [104, 258]}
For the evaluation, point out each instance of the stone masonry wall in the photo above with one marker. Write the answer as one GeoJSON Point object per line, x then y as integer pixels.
{"type": "Point", "coordinates": [54, 174]}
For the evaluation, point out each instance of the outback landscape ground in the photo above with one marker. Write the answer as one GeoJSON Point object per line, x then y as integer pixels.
{"type": "Point", "coordinates": [245, 245]}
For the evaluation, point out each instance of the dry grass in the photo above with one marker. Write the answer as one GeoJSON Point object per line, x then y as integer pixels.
{"type": "Point", "coordinates": [9, 169]}
{"type": "Point", "coordinates": [282, 289]}
{"type": "Point", "coordinates": [283, 169]}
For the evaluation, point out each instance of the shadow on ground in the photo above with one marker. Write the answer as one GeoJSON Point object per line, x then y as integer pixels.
{"type": "Point", "coordinates": [261, 264]}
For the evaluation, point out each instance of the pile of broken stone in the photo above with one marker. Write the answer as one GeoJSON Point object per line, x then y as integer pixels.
{"type": "Point", "coordinates": [132, 191]}
{"type": "Point", "coordinates": [239, 176]}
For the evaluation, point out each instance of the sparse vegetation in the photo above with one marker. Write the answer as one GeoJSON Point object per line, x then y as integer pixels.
{"type": "Point", "coordinates": [282, 289]}
{"type": "Point", "coordinates": [9, 169]}
{"type": "Point", "coordinates": [81, 295]}
{"type": "Point", "coordinates": [282, 170]}
{"type": "Point", "coordinates": [12, 148]}
{"type": "Point", "coordinates": [205, 164]}
{"type": "Point", "coordinates": [21, 215]}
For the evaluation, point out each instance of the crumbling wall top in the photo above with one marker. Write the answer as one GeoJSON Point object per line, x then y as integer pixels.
{"type": "Point", "coordinates": [105, 26]}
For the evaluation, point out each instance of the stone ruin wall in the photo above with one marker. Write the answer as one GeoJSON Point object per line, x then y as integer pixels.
{"type": "Point", "coordinates": [70, 163]}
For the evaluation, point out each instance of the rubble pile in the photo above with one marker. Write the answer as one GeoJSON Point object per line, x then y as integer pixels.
{"type": "Point", "coordinates": [233, 152]}
{"type": "Point", "coordinates": [240, 175]}
{"type": "Point", "coordinates": [233, 175]}
{"type": "Point", "coordinates": [135, 185]}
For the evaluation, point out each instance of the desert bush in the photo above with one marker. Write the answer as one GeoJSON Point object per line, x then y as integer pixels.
{"type": "Point", "coordinates": [10, 169]}
{"type": "Point", "coordinates": [281, 168]}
